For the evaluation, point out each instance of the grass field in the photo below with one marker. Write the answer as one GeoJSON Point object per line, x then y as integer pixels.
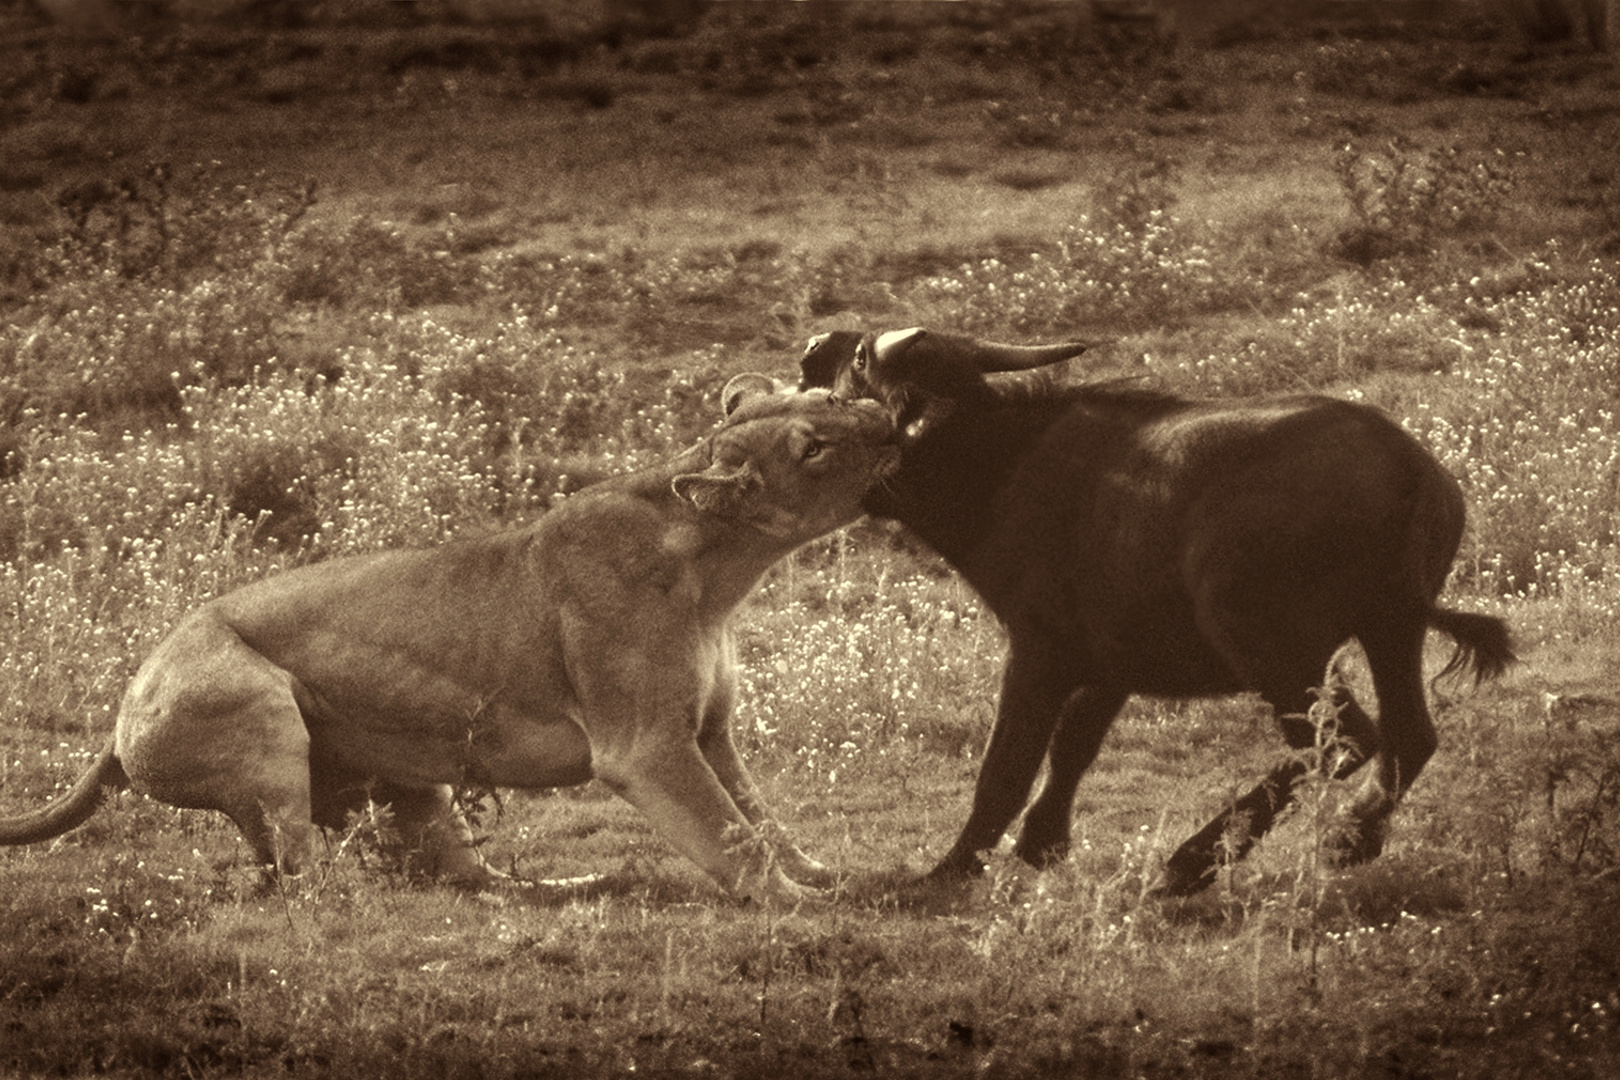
{"type": "Point", "coordinates": [275, 296]}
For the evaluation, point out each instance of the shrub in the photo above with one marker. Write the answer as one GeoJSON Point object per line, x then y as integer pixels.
{"type": "Point", "coordinates": [173, 229]}
{"type": "Point", "coordinates": [372, 264]}
{"type": "Point", "coordinates": [152, 285]}
{"type": "Point", "coordinates": [1405, 198]}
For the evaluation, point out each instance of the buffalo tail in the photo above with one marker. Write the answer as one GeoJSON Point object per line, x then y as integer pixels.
{"type": "Point", "coordinates": [1484, 645]}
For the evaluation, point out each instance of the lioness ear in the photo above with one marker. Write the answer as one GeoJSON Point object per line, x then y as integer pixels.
{"type": "Point", "coordinates": [714, 492]}
{"type": "Point", "coordinates": [742, 387]}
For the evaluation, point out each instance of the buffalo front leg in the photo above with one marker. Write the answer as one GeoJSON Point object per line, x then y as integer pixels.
{"type": "Point", "coordinates": [1084, 720]}
{"type": "Point", "coordinates": [1031, 697]}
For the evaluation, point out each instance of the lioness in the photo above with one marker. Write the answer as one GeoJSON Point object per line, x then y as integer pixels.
{"type": "Point", "coordinates": [592, 644]}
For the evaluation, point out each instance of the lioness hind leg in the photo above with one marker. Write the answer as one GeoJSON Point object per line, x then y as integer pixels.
{"type": "Point", "coordinates": [433, 837]}
{"type": "Point", "coordinates": [272, 810]}
{"type": "Point", "coordinates": [210, 724]}
{"type": "Point", "coordinates": [279, 835]}
{"type": "Point", "coordinates": [420, 829]}
{"type": "Point", "coordinates": [265, 792]}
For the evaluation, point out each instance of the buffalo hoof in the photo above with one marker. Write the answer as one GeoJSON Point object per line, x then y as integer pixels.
{"type": "Point", "coordinates": [1186, 874]}
{"type": "Point", "coordinates": [939, 895]}
{"type": "Point", "coordinates": [1042, 854]}
{"type": "Point", "coordinates": [956, 867]}
{"type": "Point", "coordinates": [1357, 842]}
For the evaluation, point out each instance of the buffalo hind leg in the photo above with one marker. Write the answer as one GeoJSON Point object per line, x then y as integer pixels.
{"type": "Point", "coordinates": [1230, 835]}
{"type": "Point", "coordinates": [1395, 657]}
{"type": "Point", "coordinates": [1031, 699]}
{"type": "Point", "coordinates": [1086, 718]}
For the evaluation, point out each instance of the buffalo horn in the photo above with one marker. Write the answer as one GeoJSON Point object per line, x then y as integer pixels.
{"type": "Point", "coordinates": [986, 356]}
{"type": "Point", "coordinates": [990, 356]}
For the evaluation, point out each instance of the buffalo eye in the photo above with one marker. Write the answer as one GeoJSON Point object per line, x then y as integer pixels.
{"type": "Point", "coordinates": [812, 450]}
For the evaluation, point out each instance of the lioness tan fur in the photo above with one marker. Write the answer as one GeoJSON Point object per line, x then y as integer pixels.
{"type": "Point", "coordinates": [594, 643]}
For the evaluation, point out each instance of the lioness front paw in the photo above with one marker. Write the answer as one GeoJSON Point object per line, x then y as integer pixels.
{"type": "Point", "coordinates": [803, 870]}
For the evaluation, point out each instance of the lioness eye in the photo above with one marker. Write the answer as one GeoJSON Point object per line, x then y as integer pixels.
{"type": "Point", "coordinates": [859, 363]}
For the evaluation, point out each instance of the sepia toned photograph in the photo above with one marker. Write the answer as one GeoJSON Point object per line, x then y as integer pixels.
{"type": "Point", "coordinates": [979, 539]}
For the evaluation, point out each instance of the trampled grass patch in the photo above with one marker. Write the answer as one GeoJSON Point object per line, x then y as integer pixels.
{"type": "Point", "coordinates": [531, 259]}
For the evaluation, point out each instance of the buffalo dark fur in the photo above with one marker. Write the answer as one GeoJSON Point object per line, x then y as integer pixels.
{"type": "Point", "coordinates": [1135, 542]}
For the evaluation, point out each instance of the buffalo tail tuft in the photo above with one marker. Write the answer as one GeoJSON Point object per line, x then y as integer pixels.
{"type": "Point", "coordinates": [1484, 644]}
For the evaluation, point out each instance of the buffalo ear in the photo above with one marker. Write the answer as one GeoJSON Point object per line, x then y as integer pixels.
{"type": "Point", "coordinates": [714, 490]}
{"type": "Point", "coordinates": [826, 356]}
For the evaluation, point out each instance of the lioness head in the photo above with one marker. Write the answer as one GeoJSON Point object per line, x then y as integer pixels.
{"type": "Point", "coordinates": [792, 465]}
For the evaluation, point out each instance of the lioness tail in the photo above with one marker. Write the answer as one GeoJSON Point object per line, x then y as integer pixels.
{"type": "Point", "coordinates": [73, 809]}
